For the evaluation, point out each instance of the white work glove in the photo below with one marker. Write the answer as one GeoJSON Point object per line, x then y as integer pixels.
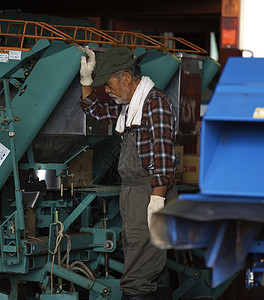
{"type": "Point", "coordinates": [87, 67]}
{"type": "Point", "coordinates": [156, 203]}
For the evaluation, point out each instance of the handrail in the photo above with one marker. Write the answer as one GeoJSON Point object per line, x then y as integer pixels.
{"type": "Point", "coordinates": [15, 34]}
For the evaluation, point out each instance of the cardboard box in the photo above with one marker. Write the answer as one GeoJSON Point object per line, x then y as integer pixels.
{"type": "Point", "coordinates": [179, 158]}
{"type": "Point", "coordinates": [191, 168]}
{"type": "Point", "coordinates": [82, 168]}
{"type": "Point", "coordinates": [198, 144]}
{"type": "Point", "coordinates": [178, 177]}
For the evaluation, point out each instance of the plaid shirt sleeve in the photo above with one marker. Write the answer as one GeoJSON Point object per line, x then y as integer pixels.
{"type": "Point", "coordinates": [156, 138]}
{"type": "Point", "coordinates": [105, 113]}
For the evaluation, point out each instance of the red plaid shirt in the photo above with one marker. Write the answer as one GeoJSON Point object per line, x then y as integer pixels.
{"type": "Point", "coordinates": [155, 136]}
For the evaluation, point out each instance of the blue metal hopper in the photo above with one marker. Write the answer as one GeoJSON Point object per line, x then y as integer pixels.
{"type": "Point", "coordinates": [226, 217]}
{"type": "Point", "coordinates": [232, 138]}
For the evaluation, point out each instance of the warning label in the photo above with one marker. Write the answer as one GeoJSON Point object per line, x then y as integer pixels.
{"type": "Point", "coordinates": [6, 55]}
{"type": "Point", "coordinates": [3, 153]}
{"type": "Point", "coordinates": [258, 113]}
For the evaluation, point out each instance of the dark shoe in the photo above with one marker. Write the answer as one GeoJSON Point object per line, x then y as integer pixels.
{"type": "Point", "coordinates": [199, 298]}
{"type": "Point", "coordinates": [134, 297]}
{"type": "Point", "coordinates": [152, 296]}
{"type": "Point", "coordinates": [164, 293]}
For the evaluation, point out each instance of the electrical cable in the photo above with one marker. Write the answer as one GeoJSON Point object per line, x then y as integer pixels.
{"type": "Point", "coordinates": [58, 240]}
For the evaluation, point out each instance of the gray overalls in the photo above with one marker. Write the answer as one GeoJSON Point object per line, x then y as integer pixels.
{"type": "Point", "coordinates": [144, 263]}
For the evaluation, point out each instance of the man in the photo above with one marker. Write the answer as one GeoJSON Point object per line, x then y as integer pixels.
{"type": "Point", "coordinates": [145, 119]}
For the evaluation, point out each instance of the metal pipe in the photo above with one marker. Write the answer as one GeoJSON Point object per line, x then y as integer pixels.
{"type": "Point", "coordinates": [78, 210]}
{"type": "Point", "coordinates": [59, 248]}
{"type": "Point", "coordinates": [61, 187]}
{"type": "Point", "coordinates": [38, 245]}
{"type": "Point", "coordinates": [106, 254]}
{"type": "Point", "coordinates": [72, 186]}
{"type": "Point", "coordinates": [113, 264]}
{"type": "Point", "coordinates": [78, 279]}
{"type": "Point", "coordinates": [11, 129]}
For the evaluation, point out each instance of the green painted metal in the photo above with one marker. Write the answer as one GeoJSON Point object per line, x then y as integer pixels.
{"type": "Point", "coordinates": [14, 290]}
{"type": "Point", "coordinates": [139, 51]}
{"type": "Point", "coordinates": [191, 278]}
{"type": "Point", "coordinates": [43, 89]}
{"type": "Point", "coordinates": [78, 210]}
{"type": "Point", "coordinates": [202, 287]}
{"type": "Point", "coordinates": [13, 67]}
{"type": "Point", "coordinates": [46, 218]}
{"type": "Point", "coordinates": [172, 265]}
{"type": "Point", "coordinates": [219, 290]}
{"type": "Point", "coordinates": [160, 67]}
{"type": "Point", "coordinates": [100, 238]}
{"type": "Point", "coordinates": [10, 242]}
{"type": "Point", "coordinates": [11, 133]}
{"type": "Point", "coordinates": [196, 282]}
{"type": "Point", "coordinates": [183, 288]}
{"type": "Point", "coordinates": [79, 241]}
{"type": "Point", "coordinates": [113, 264]}
{"type": "Point", "coordinates": [78, 279]}
{"type": "Point", "coordinates": [30, 155]}
{"type": "Point", "coordinates": [3, 296]}
{"type": "Point", "coordinates": [61, 296]}
{"type": "Point", "coordinates": [77, 153]}
{"type": "Point", "coordinates": [102, 190]}
{"type": "Point", "coordinates": [38, 275]}
{"type": "Point", "coordinates": [210, 69]}
{"type": "Point", "coordinates": [116, 293]}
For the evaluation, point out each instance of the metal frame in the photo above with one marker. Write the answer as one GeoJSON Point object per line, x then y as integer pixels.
{"type": "Point", "coordinates": [23, 30]}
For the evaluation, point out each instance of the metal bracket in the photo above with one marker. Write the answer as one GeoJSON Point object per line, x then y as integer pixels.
{"type": "Point", "coordinates": [10, 241]}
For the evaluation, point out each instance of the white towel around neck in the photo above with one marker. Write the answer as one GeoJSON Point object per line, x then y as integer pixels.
{"type": "Point", "coordinates": [135, 107]}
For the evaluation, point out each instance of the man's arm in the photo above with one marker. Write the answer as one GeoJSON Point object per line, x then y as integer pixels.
{"type": "Point", "coordinates": [160, 190]}
{"type": "Point", "coordinates": [104, 112]}
{"type": "Point", "coordinates": [86, 91]}
{"type": "Point", "coordinates": [162, 126]}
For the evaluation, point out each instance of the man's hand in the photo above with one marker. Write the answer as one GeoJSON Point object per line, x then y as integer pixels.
{"type": "Point", "coordinates": [87, 67]}
{"type": "Point", "coordinates": [156, 203]}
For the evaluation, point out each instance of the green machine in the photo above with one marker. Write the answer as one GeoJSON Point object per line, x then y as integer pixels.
{"type": "Point", "coordinates": [48, 235]}
{"type": "Point", "coordinates": [60, 224]}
